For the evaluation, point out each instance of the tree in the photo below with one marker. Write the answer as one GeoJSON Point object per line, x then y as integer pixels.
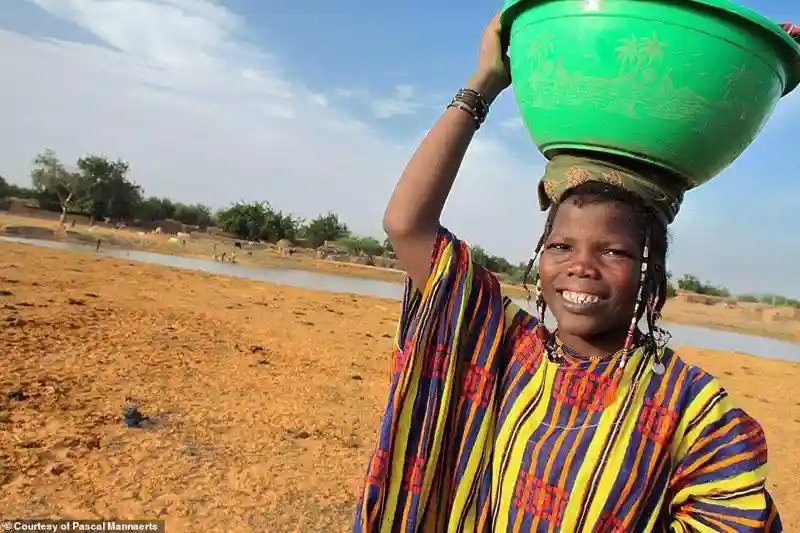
{"type": "Point", "coordinates": [370, 246]}
{"type": "Point", "coordinates": [387, 245]}
{"type": "Point", "coordinates": [192, 214]}
{"type": "Point", "coordinates": [278, 226]}
{"type": "Point", "coordinates": [50, 176]}
{"type": "Point", "coordinates": [769, 299]}
{"type": "Point", "coordinates": [325, 228]}
{"type": "Point", "coordinates": [671, 290]}
{"type": "Point", "coordinates": [493, 263]}
{"type": "Point", "coordinates": [355, 245]}
{"type": "Point", "coordinates": [500, 264]}
{"type": "Point", "coordinates": [107, 192]}
{"type": "Point", "coordinates": [155, 208]}
{"type": "Point", "coordinates": [258, 221]}
{"type": "Point", "coordinates": [479, 256]}
{"type": "Point", "coordinates": [9, 190]}
{"type": "Point", "coordinates": [518, 273]}
{"type": "Point", "coordinates": [690, 283]}
{"type": "Point", "coordinates": [242, 219]}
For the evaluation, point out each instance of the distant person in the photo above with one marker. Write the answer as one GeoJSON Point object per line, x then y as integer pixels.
{"type": "Point", "coordinates": [496, 423]}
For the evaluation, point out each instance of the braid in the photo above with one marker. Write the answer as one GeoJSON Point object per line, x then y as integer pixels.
{"type": "Point", "coordinates": [536, 253]}
{"type": "Point", "coordinates": [655, 294]}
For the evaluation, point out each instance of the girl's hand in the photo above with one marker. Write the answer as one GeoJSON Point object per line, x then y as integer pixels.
{"type": "Point", "coordinates": [492, 76]}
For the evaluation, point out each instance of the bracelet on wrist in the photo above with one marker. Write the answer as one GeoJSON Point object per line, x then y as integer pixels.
{"type": "Point", "coordinates": [473, 103]}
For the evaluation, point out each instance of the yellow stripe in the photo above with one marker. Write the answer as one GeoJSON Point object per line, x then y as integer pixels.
{"type": "Point", "coordinates": [469, 522]}
{"type": "Point", "coordinates": [731, 484]}
{"type": "Point", "coordinates": [475, 406]}
{"type": "Point", "coordinates": [450, 378]}
{"type": "Point", "coordinates": [683, 441]}
{"type": "Point", "coordinates": [444, 407]}
{"type": "Point", "coordinates": [399, 452]}
{"type": "Point", "coordinates": [525, 432]}
{"type": "Point", "coordinates": [502, 441]}
{"type": "Point", "coordinates": [567, 463]}
{"type": "Point", "coordinates": [613, 467]}
{"type": "Point", "coordinates": [655, 516]}
{"type": "Point", "coordinates": [654, 458]}
{"type": "Point", "coordinates": [411, 377]}
{"type": "Point", "coordinates": [677, 527]}
{"type": "Point", "coordinates": [537, 449]}
{"type": "Point", "coordinates": [750, 502]}
{"type": "Point", "coordinates": [571, 456]}
{"type": "Point", "coordinates": [471, 474]}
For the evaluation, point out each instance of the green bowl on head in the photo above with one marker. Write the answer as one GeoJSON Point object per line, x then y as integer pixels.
{"type": "Point", "coordinates": [685, 85]}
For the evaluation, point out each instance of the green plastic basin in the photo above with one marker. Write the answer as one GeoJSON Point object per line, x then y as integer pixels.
{"type": "Point", "coordinates": [683, 84]}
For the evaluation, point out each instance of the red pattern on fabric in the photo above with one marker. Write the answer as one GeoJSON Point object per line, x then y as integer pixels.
{"type": "Point", "coordinates": [412, 475]}
{"type": "Point", "coordinates": [536, 498]}
{"type": "Point", "coordinates": [435, 362]}
{"type": "Point", "coordinates": [478, 384]}
{"type": "Point", "coordinates": [610, 524]}
{"type": "Point", "coordinates": [756, 439]}
{"type": "Point", "coordinates": [527, 350]}
{"type": "Point", "coordinates": [400, 357]}
{"type": "Point", "coordinates": [582, 389]}
{"type": "Point", "coordinates": [657, 423]}
{"type": "Point", "coordinates": [378, 467]}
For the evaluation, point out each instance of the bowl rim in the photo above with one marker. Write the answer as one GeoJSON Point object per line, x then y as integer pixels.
{"type": "Point", "coordinates": [513, 7]}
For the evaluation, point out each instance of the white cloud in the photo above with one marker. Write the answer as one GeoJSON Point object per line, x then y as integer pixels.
{"type": "Point", "coordinates": [203, 117]}
{"type": "Point", "coordinates": [402, 101]}
{"type": "Point", "coordinates": [514, 123]}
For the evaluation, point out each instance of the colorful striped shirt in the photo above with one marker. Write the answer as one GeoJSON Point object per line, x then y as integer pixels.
{"type": "Point", "coordinates": [484, 433]}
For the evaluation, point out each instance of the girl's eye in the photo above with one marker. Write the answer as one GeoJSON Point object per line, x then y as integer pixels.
{"type": "Point", "coordinates": [561, 247]}
{"type": "Point", "coordinates": [615, 253]}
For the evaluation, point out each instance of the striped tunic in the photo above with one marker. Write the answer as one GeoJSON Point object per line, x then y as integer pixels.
{"type": "Point", "coordinates": [483, 433]}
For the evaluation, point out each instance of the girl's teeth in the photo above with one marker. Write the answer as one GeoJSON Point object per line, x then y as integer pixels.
{"type": "Point", "coordinates": [580, 297]}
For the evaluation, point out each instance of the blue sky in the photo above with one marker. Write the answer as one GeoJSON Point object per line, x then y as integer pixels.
{"type": "Point", "coordinates": [317, 105]}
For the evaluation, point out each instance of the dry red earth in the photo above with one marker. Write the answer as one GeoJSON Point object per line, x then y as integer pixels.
{"type": "Point", "coordinates": [265, 398]}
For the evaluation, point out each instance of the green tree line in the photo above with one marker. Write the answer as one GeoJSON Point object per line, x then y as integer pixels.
{"type": "Point", "coordinates": [691, 283]}
{"type": "Point", "coordinates": [101, 189]}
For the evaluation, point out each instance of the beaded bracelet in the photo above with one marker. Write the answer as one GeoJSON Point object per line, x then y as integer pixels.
{"type": "Point", "coordinates": [471, 102]}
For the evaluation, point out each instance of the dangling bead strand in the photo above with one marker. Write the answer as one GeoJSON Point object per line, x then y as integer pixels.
{"type": "Point", "coordinates": [541, 308]}
{"type": "Point", "coordinates": [629, 340]}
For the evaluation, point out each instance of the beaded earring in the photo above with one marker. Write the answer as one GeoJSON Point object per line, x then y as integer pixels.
{"type": "Point", "coordinates": [553, 353]}
{"type": "Point", "coordinates": [541, 305]}
{"type": "Point", "coordinates": [629, 340]}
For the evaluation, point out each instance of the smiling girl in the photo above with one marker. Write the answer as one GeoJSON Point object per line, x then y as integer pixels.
{"type": "Point", "coordinates": [495, 423]}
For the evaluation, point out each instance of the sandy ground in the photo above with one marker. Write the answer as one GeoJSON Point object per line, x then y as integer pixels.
{"type": "Point", "coordinates": [265, 399]}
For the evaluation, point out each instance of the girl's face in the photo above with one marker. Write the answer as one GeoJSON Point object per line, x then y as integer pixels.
{"type": "Point", "coordinates": [590, 269]}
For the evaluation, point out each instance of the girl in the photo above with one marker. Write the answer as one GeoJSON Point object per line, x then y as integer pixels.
{"type": "Point", "coordinates": [495, 423]}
